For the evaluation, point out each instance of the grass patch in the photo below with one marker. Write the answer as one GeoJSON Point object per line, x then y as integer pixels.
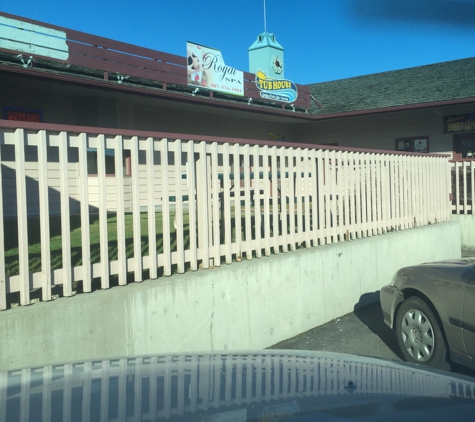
{"type": "Point", "coordinates": [34, 241]}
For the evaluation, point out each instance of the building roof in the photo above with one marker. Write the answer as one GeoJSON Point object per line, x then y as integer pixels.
{"type": "Point", "coordinates": [447, 81]}
{"type": "Point", "coordinates": [265, 39]}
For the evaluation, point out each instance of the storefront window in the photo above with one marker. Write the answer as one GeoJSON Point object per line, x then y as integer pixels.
{"type": "Point", "coordinates": [464, 145]}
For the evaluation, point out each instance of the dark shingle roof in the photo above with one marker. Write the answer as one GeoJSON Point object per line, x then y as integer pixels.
{"type": "Point", "coordinates": [419, 85]}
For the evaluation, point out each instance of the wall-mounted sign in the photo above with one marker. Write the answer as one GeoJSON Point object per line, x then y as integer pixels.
{"type": "Point", "coordinates": [206, 69]}
{"type": "Point", "coordinates": [22, 114]}
{"type": "Point", "coordinates": [459, 123]}
{"type": "Point", "coordinates": [33, 39]}
{"type": "Point", "coordinates": [275, 137]}
{"type": "Point", "coordinates": [276, 89]}
{"type": "Point", "coordinates": [413, 144]}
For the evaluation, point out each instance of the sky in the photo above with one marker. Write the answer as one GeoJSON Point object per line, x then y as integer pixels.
{"type": "Point", "coordinates": [324, 40]}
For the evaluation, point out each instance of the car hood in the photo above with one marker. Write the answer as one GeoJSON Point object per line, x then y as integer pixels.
{"type": "Point", "coordinates": [457, 269]}
{"type": "Point", "coordinates": [221, 387]}
{"type": "Point", "coordinates": [462, 262]}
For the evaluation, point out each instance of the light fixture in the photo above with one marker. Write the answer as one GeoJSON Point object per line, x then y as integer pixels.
{"type": "Point", "coordinates": [120, 77]}
{"type": "Point", "coordinates": [25, 63]}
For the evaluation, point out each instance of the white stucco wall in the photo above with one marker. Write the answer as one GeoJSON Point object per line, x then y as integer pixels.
{"type": "Point", "coordinates": [247, 305]}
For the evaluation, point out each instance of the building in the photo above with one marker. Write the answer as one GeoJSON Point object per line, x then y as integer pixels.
{"type": "Point", "coordinates": [95, 82]}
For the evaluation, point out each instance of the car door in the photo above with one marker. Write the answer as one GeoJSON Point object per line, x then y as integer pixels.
{"type": "Point", "coordinates": [468, 318]}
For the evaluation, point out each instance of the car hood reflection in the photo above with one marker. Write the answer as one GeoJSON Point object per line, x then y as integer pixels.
{"type": "Point", "coordinates": [234, 387]}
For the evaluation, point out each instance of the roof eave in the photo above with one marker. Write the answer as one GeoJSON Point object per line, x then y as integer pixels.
{"type": "Point", "coordinates": [179, 97]}
{"type": "Point", "coordinates": [393, 109]}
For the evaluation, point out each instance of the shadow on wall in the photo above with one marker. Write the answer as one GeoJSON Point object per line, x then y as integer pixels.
{"type": "Point", "coordinates": [11, 222]}
{"type": "Point", "coordinates": [9, 192]}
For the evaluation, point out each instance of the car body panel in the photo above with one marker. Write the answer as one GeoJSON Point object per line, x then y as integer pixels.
{"type": "Point", "coordinates": [390, 297]}
{"type": "Point", "coordinates": [444, 285]}
{"type": "Point", "coordinates": [468, 318]}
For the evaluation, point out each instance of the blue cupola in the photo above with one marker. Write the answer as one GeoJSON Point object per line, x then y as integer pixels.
{"type": "Point", "coordinates": [267, 54]}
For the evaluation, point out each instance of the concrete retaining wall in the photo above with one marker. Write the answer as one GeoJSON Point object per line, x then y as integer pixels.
{"type": "Point", "coordinates": [247, 305]}
{"type": "Point", "coordinates": [467, 228]}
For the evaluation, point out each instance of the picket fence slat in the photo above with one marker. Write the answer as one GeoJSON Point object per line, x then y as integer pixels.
{"type": "Point", "coordinates": [121, 236]}
{"type": "Point", "coordinates": [237, 200]}
{"type": "Point", "coordinates": [326, 203]}
{"type": "Point", "coordinates": [152, 226]}
{"type": "Point", "coordinates": [465, 168]}
{"type": "Point", "coordinates": [103, 234]}
{"type": "Point", "coordinates": [136, 223]}
{"type": "Point", "coordinates": [284, 169]}
{"type": "Point", "coordinates": [44, 216]}
{"type": "Point", "coordinates": [267, 197]}
{"type": "Point", "coordinates": [179, 222]}
{"type": "Point", "coordinates": [65, 216]}
{"type": "Point", "coordinates": [379, 192]}
{"type": "Point", "coordinates": [191, 184]}
{"type": "Point", "coordinates": [320, 205]}
{"type": "Point", "coordinates": [472, 183]}
{"type": "Point", "coordinates": [3, 281]}
{"type": "Point", "coordinates": [166, 235]}
{"type": "Point", "coordinates": [275, 201]}
{"type": "Point", "coordinates": [334, 197]}
{"type": "Point", "coordinates": [215, 206]}
{"type": "Point", "coordinates": [247, 201]}
{"type": "Point", "coordinates": [307, 197]}
{"type": "Point", "coordinates": [84, 210]}
{"type": "Point", "coordinates": [257, 169]}
{"type": "Point", "coordinates": [23, 262]}
{"type": "Point", "coordinates": [298, 195]}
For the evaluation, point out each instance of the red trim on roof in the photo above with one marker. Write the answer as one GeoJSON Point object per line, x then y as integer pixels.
{"type": "Point", "coordinates": [184, 97]}
{"type": "Point", "coordinates": [145, 134]}
{"type": "Point", "coordinates": [392, 109]}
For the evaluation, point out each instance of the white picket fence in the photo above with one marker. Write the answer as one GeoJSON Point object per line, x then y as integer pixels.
{"type": "Point", "coordinates": [463, 186]}
{"type": "Point", "coordinates": [219, 201]}
{"type": "Point", "coordinates": [229, 386]}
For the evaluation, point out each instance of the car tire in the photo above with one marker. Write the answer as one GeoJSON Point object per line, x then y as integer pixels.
{"type": "Point", "coordinates": [419, 335]}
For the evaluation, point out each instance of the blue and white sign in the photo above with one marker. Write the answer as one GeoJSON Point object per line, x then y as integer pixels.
{"type": "Point", "coordinates": [276, 89]}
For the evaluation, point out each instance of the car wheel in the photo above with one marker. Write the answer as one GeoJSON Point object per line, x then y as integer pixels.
{"type": "Point", "coordinates": [419, 336]}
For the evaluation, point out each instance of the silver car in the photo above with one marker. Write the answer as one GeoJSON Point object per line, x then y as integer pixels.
{"type": "Point", "coordinates": [432, 309]}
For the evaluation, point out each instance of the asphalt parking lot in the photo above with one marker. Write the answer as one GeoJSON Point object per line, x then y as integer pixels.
{"type": "Point", "coordinates": [362, 332]}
